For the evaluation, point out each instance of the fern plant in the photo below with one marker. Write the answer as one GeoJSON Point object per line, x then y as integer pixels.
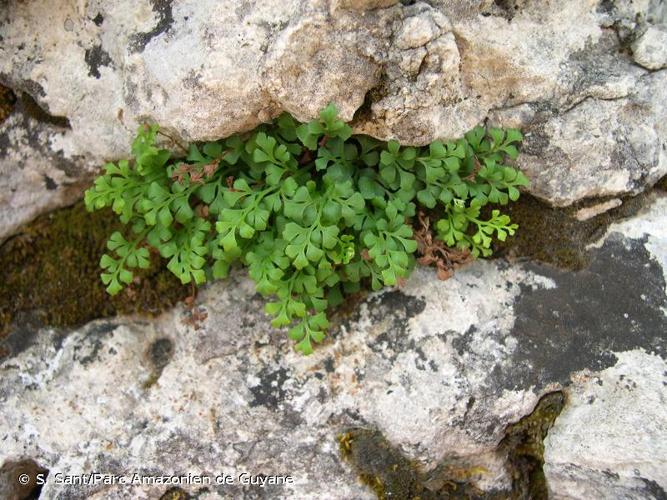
{"type": "Point", "coordinates": [314, 212]}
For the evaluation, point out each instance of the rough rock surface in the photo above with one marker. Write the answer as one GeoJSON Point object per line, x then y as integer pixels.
{"type": "Point", "coordinates": [609, 442]}
{"type": "Point", "coordinates": [203, 70]}
{"type": "Point", "coordinates": [39, 167]}
{"type": "Point", "coordinates": [650, 49]}
{"type": "Point", "coordinates": [439, 368]}
{"type": "Point", "coordinates": [620, 137]}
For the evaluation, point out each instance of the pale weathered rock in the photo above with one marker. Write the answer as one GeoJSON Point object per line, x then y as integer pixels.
{"type": "Point", "coordinates": [599, 208]}
{"type": "Point", "coordinates": [416, 31]}
{"type": "Point", "coordinates": [650, 49]}
{"type": "Point", "coordinates": [319, 68]}
{"type": "Point", "coordinates": [39, 169]}
{"type": "Point", "coordinates": [363, 4]}
{"type": "Point", "coordinates": [610, 442]}
{"type": "Point", "coordinates": [621, 139]}
{"type": "Point", "coordinates": [439, 368]}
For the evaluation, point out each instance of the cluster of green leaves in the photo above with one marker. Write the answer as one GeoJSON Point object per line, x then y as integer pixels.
{"type": "Point", "coordinates": [313, 211]}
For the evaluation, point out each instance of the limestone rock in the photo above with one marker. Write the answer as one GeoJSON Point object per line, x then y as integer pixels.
{"type": "Point", "coordinates": [314, 59]}
{"type": "Point", "coordinates": [650, 49]}
{"type": "Point", "coordinates": [40, 169]}
{"type": "Point", "coordinates": [620, 139]}
{"type": "Point", "coordinates": [587, 213]}
{"type": "Point", "coordinates": [609, 442]}
{"type": "Point", "coordinates": [416, 31]}
{"type": "Point", "coordinates": [363, 4]}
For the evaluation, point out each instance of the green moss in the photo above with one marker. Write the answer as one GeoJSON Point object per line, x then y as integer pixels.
{"type": "Point", "coordinates": [554, 235]}
{"type": "Point", "coordinates": [50, 273]}
{"type": "Point", "coordinates": [175, 494]}
{"type": "Point", "coordinates": [524, 444]}
{"type": "Point", "coordinates": [380, 466]}
{"type": "Point", "coordinates": [391, 475]}
{"type": "Point", "coordinates": [159, 354]}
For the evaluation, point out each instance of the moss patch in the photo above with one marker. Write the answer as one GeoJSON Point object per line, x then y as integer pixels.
{"type": "Point", "coordinates": [554, 235]}
{"type": "Point", "coordinates": [7, 102]}
{"type": "Point", "coordinates": [524, 444]}
{"type": "Point", "coordinates": [379, 465]}
{"type": "Point", "coordinates": [49, 274]}
{"type": "Point", "coordinates": [175, 494]}
{"type": "Point", "coordinates": [391, 475]}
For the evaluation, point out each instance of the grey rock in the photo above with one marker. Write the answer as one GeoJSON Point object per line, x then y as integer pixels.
{"type": "Point", "coordinates": [363, 4]}
{"type": "Point", "coordinates": [311, 70]}
{"type": "Point", "coordinates": [40, 169]}
{"type": "Point", "coordinates": [609, 442]}
{"type": "Point", "coordinates": [439, 368]}
{"type": "Point", "coordinates": [650, 49]}
{"type": "Point", "coordinates": [421, 72]}
{"type": "Point", "coordinates": [416, 31]}
{"type": "Point", "coordinates": [622, 139]}
{"type": "Point", "coordinates": [587, 213]}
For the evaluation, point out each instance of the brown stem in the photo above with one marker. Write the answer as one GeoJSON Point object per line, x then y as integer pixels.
{"type": "Point", "coordinates": [172, 139]}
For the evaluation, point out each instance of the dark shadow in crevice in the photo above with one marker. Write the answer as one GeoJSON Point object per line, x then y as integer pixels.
{"type": "Point", "coordinates": [7, 102]}
{"type": "Point", "coordinates": [22, 479]}
{"type": "Point", "coordinates": [31, 108]}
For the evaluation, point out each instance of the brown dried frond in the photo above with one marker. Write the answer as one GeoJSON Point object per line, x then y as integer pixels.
{"type": "Point", "coordinates": [202, 210]}
{"type": "Point", "coordinates": [196, 177]}
{"type": "Point", "coordinates": [435, 252]}
{"type": "Point", "coordinates": [195, 173]}
{"type": "Point", "coordinates": [180, 172]}
{"type": "Point", "coordinates": [210, 168]}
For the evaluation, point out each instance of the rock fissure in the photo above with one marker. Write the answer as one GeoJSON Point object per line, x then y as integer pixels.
{"type": "Point", "coordinates": [390, 474]}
